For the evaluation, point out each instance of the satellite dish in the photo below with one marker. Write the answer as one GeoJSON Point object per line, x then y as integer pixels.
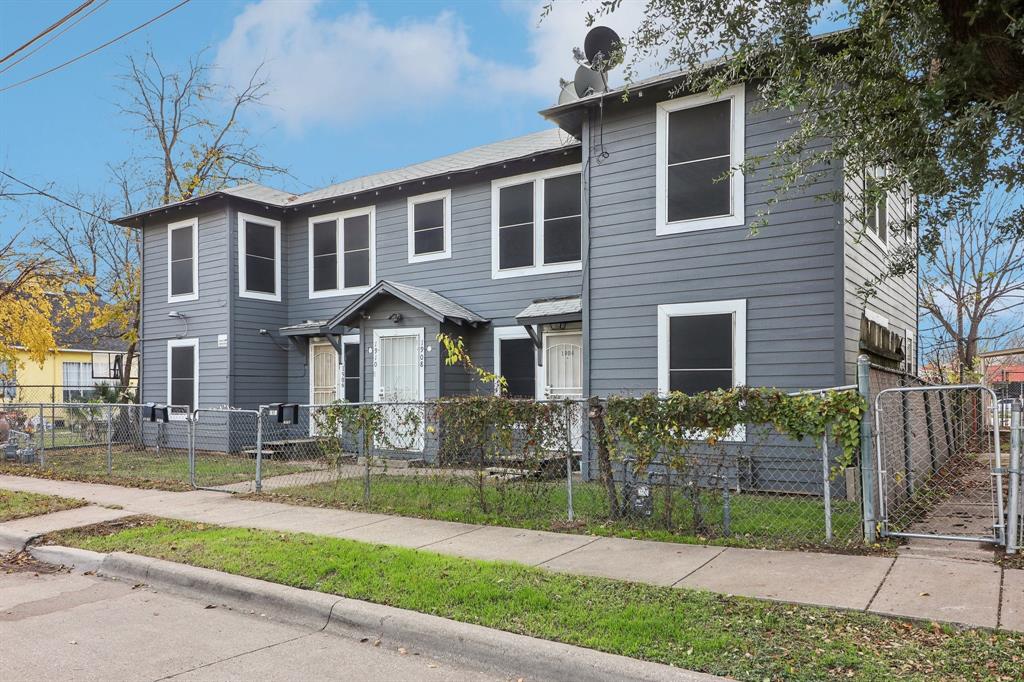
{"type": "Point", "coordinates": [567, 93]}
{"type": "Point", "coordinates": [587, 82]}
{"type": "Point", "coordinates": [601, 46]}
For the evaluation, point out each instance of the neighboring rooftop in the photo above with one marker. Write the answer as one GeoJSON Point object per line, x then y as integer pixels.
{"type": "Point", "coordinates": [484, 156]}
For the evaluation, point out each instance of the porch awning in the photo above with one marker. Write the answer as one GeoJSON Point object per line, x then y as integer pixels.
{"type": "Point", "coordinates": [552, 310]}
{"type": "Point", "coordinates": [428, 302]}
{"type": "Point", "coordinates": [307, 328]}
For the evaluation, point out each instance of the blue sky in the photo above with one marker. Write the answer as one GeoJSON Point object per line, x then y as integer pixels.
{"type": "Point", "coordinates": [355, 87]}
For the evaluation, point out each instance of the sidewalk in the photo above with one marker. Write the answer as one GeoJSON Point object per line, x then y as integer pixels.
{"type": "Point", "coordinates": [966, 592]}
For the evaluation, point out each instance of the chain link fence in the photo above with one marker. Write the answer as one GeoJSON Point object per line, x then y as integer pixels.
{"type": "Point", "coordinates": [100, 392]}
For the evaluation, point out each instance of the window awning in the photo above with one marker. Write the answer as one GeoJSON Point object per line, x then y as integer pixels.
{"type": "Point", "coordinates": [426, 301]}
{"type": "Point", "coordinates": [551, 311]}
{"type": "Point", "coordinates": [307, 328]}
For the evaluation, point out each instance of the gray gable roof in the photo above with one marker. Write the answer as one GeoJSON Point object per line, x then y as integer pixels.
{"type": "Point", "coordinates": [430, 302]}
{"type": "Point", "coordinates": [517, 148]}
{"type": "Point", "coordinates": [568, 309]}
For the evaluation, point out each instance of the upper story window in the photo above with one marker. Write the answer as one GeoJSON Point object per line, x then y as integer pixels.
{"type": "Point", "coordinates": [535, 223]}
{"type": "Point", "coordinates": [699, 140]}
{"type": "Point", "coordinates": [430, 219]}
{"type": "Point", "coordinates": [182, 257]}
{"type": "Point", "coordinates": [259, 257]}
{"type": "Point", "coordinates": [877, 214]}
{"type": "Point", "coordinates": [701, 346]}
{"type": "Point", "coordinates": [341, 253]}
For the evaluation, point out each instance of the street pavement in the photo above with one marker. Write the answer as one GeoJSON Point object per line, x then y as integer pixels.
{"type": "Point", "coordinates": [62, 626]}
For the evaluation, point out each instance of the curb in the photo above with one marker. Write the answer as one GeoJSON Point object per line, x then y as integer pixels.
{"type": "Point", "coordinates": [473, 645]}
{"type": "Point", "coordinates": [81, 560]}
{"type": "Point", "coordinates": [14, 542]}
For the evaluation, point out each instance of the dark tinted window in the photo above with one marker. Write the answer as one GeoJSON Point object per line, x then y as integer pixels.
{"type": "Point", "coordinates": [357, 269]}
{"type": "Point", "coordinates": [562, 240]}
{"type": "Point", "coordinates": [693, 192]}
{"type": "Point", "coordinates": [562, 196]}
{"type": "Point", "coordinates": [428, 241]}
{"type": "Point", "coordinates": [519, 367]}
{"type": "Point", "coordinates": [181, 243]}
{"type": "Point", "coordinates": [700, 352]}
{"type": "Point", "coordinates": [515, 246]}
{"type": "Point", "coordinates": [356, 265]}
{"type": "Point", "coordinates": [183, 376]}
{"type": "Point", "coordinates": [181, 277]}
{"type": "Point", "coordinates": [428, 214]}
{"type": "Point", "coordinates": [699, 132]}
{"type": "Point", "coordinates": [259, 240]}
{"type": "Point", "coordinates": [260, 258]}
{"type": "Point", "coordinates": [259, 275]}
{"type": "Point", "coordinates": [182, 261]}
{"type": "Point", "coordinates": [352, 385]}
{"type": "Point", "coordinates": [325, 256]}
{"type": "Point", "coordinates": [515, 204]}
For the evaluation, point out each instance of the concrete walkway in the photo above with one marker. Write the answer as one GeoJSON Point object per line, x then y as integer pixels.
{"type": "Point", "coordinates": [966, 592]}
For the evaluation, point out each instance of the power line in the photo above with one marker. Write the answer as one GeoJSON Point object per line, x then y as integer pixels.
{"type": "Point", "coordinates": [53, 37]}
{"type": "Point", "coordinates": [96, 49]}
{"type": "Point", "coordinates": [52, 26]}
{"type": "Point", "coordinates": [46, 194]}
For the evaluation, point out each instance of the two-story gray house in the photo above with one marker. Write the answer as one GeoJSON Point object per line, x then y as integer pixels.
{"type": "Point", "coordinates": [596, 257]}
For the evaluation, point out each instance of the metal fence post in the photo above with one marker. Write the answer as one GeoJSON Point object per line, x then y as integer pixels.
{"type": "Point", "coordinates": [867, 483]}
{"type": "Point", "coordinates": [42, 436]}
{"type": "Point", "coordinates": [259, 450]}
{"type": "Point", "coordinates": [826, 485]}
{"type": "Point", "coordinates": [190, 419]}
{"type": "Point", "coordinates": [1013, 510]}
{"type": "Point", "coordinates": [110, 440]}
{"type": "Point", "coordinates": [568, 457]}
{"type": "Point", "coordinates": [365, 447]}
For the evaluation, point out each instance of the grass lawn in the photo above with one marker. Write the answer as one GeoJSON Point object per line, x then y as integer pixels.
{"type": "Point", "coordinates": [756, 520]}
{"type": "Point", "coordinates": [744, 638]}
{"type": "Point", "coordinates": [17, 505]}
{"type": "Point", "coordinates": [167, 469]}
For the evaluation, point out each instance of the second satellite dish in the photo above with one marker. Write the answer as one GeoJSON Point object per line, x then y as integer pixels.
{"type": "Point", "coordinates": [587, 82]}
{"type": "Point", "coordinates": [601, 46]}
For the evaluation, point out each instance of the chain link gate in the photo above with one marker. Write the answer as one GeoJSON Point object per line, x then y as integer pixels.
{"type": "Point", "coordinates": [939, 465]}
{"type": "Point", "coordinates": [225, 450]}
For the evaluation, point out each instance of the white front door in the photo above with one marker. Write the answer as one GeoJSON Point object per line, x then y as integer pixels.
{"type": "Point", "coordinates": [324, 384]}
{"type": "Point", "coordinates": [563, 376]}
{"type": "Point", "coordinates": [398, 378]}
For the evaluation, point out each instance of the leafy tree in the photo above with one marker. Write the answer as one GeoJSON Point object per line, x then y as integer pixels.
{"type": "Point", "coordinates": [928, 89]}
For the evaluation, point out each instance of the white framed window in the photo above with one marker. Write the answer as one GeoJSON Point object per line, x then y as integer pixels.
{"type": "Point", "coordinates": [259, 257]}
{"type": "Point", "coordinates": [876, 215]}
{"type": "Point", "coordinates": [183, 261]}
{"type": "Point", "coordinates": [351, 364]}
{"type": "Point", "coordinates": [183, 373]}
{"type": "Point", "coordinates": [78, 382]}
{"type": "Point", "coordinates": [342, 252]}
{"type": "Point", "coordinates": [430, 226]}
{"type": "Point", "coordinates": [909, 351]}
{"type": "Point", "coordinates": [699, 139]}
{"type": "Point", "coordinates": [702, 346]}
{"type": "Point", "coordinates": [515, 358]}
{"type": "Point", "coordinates": [536, 223]}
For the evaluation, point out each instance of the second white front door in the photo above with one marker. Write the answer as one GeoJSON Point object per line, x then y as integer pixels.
{"type": "Point", "coordinates": [323, 363]}
{"type": "Point", "coordinates": [398, 378]}
{"type": "Point", "coordinates": [563, 365]}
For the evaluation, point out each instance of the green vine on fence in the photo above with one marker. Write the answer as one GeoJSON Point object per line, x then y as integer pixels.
{"type": "Point", "coordinates": [653, 426]}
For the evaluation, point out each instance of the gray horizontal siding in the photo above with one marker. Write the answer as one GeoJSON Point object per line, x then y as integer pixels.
{"type": "Point", "coordinates": [787, 272]}
{"type": "Point", "coordinates": [207, 317]}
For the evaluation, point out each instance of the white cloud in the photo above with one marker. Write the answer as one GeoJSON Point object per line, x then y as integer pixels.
{"type": "Point", "coordinates": [338, 69]}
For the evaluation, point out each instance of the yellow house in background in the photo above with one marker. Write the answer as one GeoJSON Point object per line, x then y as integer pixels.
{"type": "Point", "coordinates": [70, 373]}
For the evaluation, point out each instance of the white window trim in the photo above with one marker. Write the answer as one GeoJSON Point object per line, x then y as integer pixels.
{"type": "Point", "coordinates": [738, 308]}
{"type": "Point", "coordinates": [538, 266]}
{"type": "Point", "coordinates": [184, 343]}
{"type": "Point", "coordinates": [737, 193]}
{"type": "Point", "coordinates": [873, 234]}
{"type": "Point", "coordinates": [339, 218]}
{"type": "Point", "coordinates": [378, 334]}
{"type": "Point", "coordinates": [446, 195]}
{"type": "Point", "coordinates": [171, 227]}
{"type": "Point", "coordinates": [911, 350]}
{"type": "Point", "coordinates": [244, 218]}
{"type": "Point", "coordinates": [515, 333]}
{"type": "Point", "coordinates": [877, 318]}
